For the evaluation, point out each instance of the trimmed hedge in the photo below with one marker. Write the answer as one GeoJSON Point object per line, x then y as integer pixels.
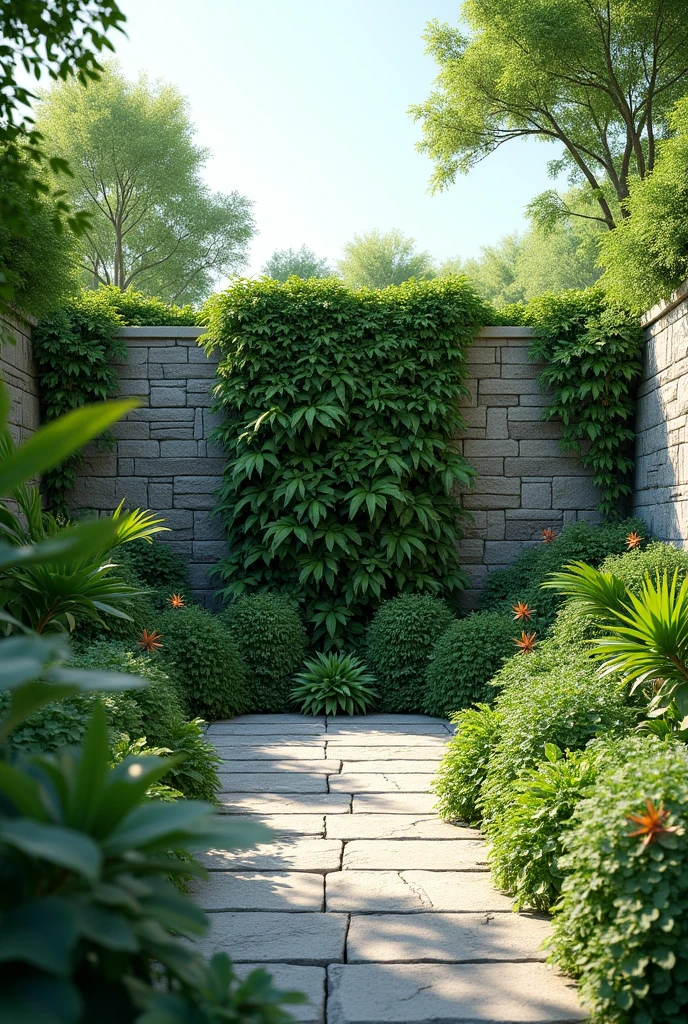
{"type": "Point", "coordinates": [270, 637]}
{"type": "Point", "coordinates": [463, 768]}
{"type": "Point", "coordinates": [399, 641]}
{"type": "Point", "coordinates": [158, 567]}
{"type": "Point", "coordinates": [465, 658]}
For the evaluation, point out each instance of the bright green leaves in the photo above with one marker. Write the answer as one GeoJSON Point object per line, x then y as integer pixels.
{"type": "Point", "coordinates": [332, 683]}
{"type": "Point", "coordinates": [341, 410]}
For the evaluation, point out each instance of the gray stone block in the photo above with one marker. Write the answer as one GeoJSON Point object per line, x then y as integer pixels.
{"type": "Point", "coordinates": [542, 449]}
{"type": "Point", "coordinates": [275, 782]}
{"type": "Point", "coordinates": [559, 466]}
{"type": "Point", "coordinates": [172, 432]}
{"type": "Point", "coordinates": [287, 803]}
{"type": "Point", "coordinates": [131, 430]}
{"type": "Point", "coordinates": [160, 495]}
{"type": "Point", "coordinates": [175, 397]}
{"type": "Point", "coordinates": [236, 891]}
{"type": "Point", "coordinates": [574, 493]}
{"type": "Point", "coordinates": [531, 528]}
{"type": "Point", "coordinates": [314, 939]}
{"type": "Point", "coordinates": [208, 527]}
{"type": "Point", "coordinates": [179, 449]}
{"type": "Point", "coordinates": [497, 427]}
{"type": "Point", "coordinates": [402, 855]}
{"type": "Point", "coordinates": [159, 416]}
{"type": "Point", "coordinates": [129, 449]}
{"type": "Point", "coordinates": [501, 552]}
{"type": "Point", "coordinates": [536, 495]}
{"type": "Point", "coordinates": [133, 491]}
{"type": "Point", "coordinates": [290, 978]}
{"type": "Point", "coordinates": [171, 354]}
{"type": "Point", "coordinates": [125, 467]}
{"type": "Point", "coordinates": [392, 826]}
{"type": "Point", "coordinates": [209, 550]}
{"type": "Point", "coordinates": [487, 502]}
{"type": "Point", "coordinates": [536, 430]}
{"type": "Point", "coordinates": [413, 892]}
{"type": "Point", "coordinates": [514, 387]}
{"type": "Point", "coordinates": [393, 803]}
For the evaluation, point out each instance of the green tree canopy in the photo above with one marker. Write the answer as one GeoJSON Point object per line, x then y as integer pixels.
{"type": "Point", "coordinates": [137, 171]}
{"type": "Point", "coordinates": [303, 263]}
{"type": "Point", "coordinates": [599, 77]}
{"type": "Point", "coordinates": [378, 259]}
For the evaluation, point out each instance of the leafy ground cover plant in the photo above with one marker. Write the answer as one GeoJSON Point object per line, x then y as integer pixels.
{"type": "Point", "coordinates": [158, 568]}
{"type": "Point", "coordinates": [270, 637]}
{"type": "Point", "coordinates": [621, 924]}
{"type": "Point", "coordinates": [522, 581]}
{"type": "Point", "coordinates": [463, 768]}
{"type": "Point", "coordinates": [206, 660]}
{"type": "Point", "coordinates": [340, 416]}
{"type": "Point", "coordinates": [465, 658]}
{"type": "Point", "coordinates": [399, 642]}
{"type": "Point", "coordinates": [334, 682]}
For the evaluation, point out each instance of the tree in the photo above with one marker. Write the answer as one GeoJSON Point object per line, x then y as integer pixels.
{"type": "Point", "coordinates": [377, 260]}
{"type": "Point", "coordinates": [600, 77]}
{"type": "Point", "coordinates": [59, 39]}
{"type": "Point", "coordinates": [137, 172]}
{"type": "Point", "coordinates": [303, 263]}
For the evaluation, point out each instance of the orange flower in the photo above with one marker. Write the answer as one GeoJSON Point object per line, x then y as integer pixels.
{"type": "Point", "coordinates": [634, 540]}
{"type": "Point", "coordinates": [522, 611]}
{"type": "Point", "coordinates": [150, 641]}
{"type": "Point", "coordinates": [526, 644]}
{"type": "Point", "coordinates": [548, 536]}
{"type": "Point", "coordinates": [652, 824]}
{"type": "Point", "coordinates": [176, 600]}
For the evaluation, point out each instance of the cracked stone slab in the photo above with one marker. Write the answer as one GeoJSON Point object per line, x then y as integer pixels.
{"type": "Point", "coordinates": [375, 718]}
{"type": "Point", "coordinates": [322, 767]}
{"type": "Point", "coordinates": [295, 854]}
{"type": "Point", "coordinates": [285, 803]}
{"type": "Point", "coordinates": [271, 752]}
{"type": "Point", "coordinates": [410, 892]}
{"type": "Point", "coordinates": [353, 782]}
{"type": "Point", "coordinates": [266, 729]}
{"type": "Point", "coordinates": [242, 890]}
{"type": "Point", "coordinates": [423, 854]}
{"type": "Point", "coordinates": [267, 937]}
{"type": "Point", "coordinates": [381, 753]}
{"type": "Point", "coordinates": [283, 824]}
{"type": "Point", "coordinates": [384, 766]}
{"type": "Point", "coordinates": [393, 826]}
{"type": "Point", "coordinates": [248, 743]}
{"type": "Point", "coordinates": [278, 718]}
{"type": "Point", "coordinates": [394, 803]}
{"type": "Point", "coordinates": [290, 978]}
{"type": "Point", "coordinates": [450, 994]}
{"type": "Point", "coordinates": [273, 782]}
{"type": "Point", "coordinates": [446, 938]}
{"type": "Point", "coordinates": [387, 739]}
{"type": "Point", "coordinates": [349, 728]}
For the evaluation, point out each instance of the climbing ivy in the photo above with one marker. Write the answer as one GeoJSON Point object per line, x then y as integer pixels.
{"type": "Point", "coordinates": [592, 356]}
{"type": "Point", "coordinates": [340, 416]}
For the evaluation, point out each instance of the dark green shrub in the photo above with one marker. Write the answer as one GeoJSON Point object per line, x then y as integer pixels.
{"type": "Point", "coordinates": [633, 566]}
{"type": "Point", "coordinates": [206, 661]}
{"type": "Point", "coordinates": [582, 542]}
{"type": "Point", "coordinates": [334, 682]}
{"type": "Point", "coordinates": [140, 610]}
{"type": "Point", "coordinates": [547, 698]}
{"type": "Point", "coordinates": [463, 768]}
{"type": "Point", "coordinates": [196, 775]}
{"type": "Point", "coordinates": [340, 413]}
{"type": "Point", "coordinates": [400, 640]}
{"type": "Point", "coordinates": [271, 639]}
{"type": "Point", "coordinates": [157, 567]}
{"type": "Point", "coordinates": [465, 658]}
{"type": "Point", "coordinates": [622, 924]}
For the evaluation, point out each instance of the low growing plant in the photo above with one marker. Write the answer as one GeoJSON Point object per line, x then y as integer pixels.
{"type": "Point", "coordinates": [463, 768]}
{"type": "Point", "coordinates": [158, 568]}
{"type": "Point", "coordinates": [333, 683]}
{"type": "Point", "coordinates": [399, 643]}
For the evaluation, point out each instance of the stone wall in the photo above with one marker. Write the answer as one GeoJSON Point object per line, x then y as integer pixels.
{"type": "Point", "coordinates": [525, 482]}
{"type": "Point", "coordinates": [661, 480]}
{"type": "Point", "coordinates": [19, 374]}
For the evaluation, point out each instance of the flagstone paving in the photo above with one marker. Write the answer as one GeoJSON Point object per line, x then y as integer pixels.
{"type": "Point", "coordinates": [366, 901]}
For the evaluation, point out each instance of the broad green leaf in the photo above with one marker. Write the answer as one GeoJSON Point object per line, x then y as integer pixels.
{"type": "Point", "coordinates": [42, 933]}
{"type": "Point", "coordinates": [66, 847]}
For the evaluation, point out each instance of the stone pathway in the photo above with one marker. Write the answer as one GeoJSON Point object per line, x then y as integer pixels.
{"type": "Point", "coordinates": [366, 901]}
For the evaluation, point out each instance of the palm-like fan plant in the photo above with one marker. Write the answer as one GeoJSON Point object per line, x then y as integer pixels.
{"type": "Point", "coordinates": [644, 636]}
{"type": "Point", "coordinates": [332, 683]}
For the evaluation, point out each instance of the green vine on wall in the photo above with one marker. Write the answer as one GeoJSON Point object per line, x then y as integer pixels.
{"type": "Point", "coordinates": [592, 353]}
{"type": "Point", "coordinates": [74, 350]}
{"type": "Point", "coordinates": [341, 413]}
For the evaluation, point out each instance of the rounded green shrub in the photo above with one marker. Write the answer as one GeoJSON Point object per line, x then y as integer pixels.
{"type": "Point", "coordinates": [206, 661]}
{"type": "Point", "coordinates": [583, 542]}
{"type": "Point", "coordinates": [399, 642]}
{"type": "Point", "coordinates": [158, 567]}
{"type": "Point", "coordinates": [463, 768]}
{"type": "Point", "coordinates": [465, 658]}
{"type": "Point", "coordinates": [633, 566]}
{"type": "Point", "coordinates": [622, 924]}
{"type": "Point", "coordinates": [271, 639]}
{"type": "Point", "coordinates": [141, 611]}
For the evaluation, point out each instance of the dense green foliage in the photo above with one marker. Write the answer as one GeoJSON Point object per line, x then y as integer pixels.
{"type": "Point", "coordinates": [206, 661]}
{"type": "Point", "coordinates": [647, 256]}
{"type": "Point", "coordinates": [522, 581]}
{"type": "Point", "coordinates": [303, 263]}
{"type": "Point", "coordinates": [340, 417]}
{"type": "Point", "coordinates": [269, 635]}
{"type": "Point", "coordinates": [463, 768]}
{"type": "Point", "coordinates": [334, 682]}
{"type": "Point", "coordinates": [158, 568]}
{"type": "Point", "coordinates": [633, 566]}
{"type": "Point", "coordinates": [399, 642]}
{"type": "Point", "coordinates": [621, 925]}
{"type": "Point", "coordinates": [380, 259]}
{"type": "Point", "coordinates": [592, 356]}
{"type": "Point", "coordinates": [599, 80]}
{"type": "Point", "coordinates": [465, 658]}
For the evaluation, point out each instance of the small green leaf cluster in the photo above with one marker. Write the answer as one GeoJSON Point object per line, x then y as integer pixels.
{"type": "Point", "coordinates": [157, 567]}
{"type": "Point", "coordinates": [592, 357]}
{"type": "Point", "coordinates": [463, 768]}
{"type": "Point", "coordinates": [340, 418]}
{"type": "Point", "coordinates": [621, 924]}
{"type": "Point", "coordinates": [522, 581]}
{"type": "Point", "coordinates": [334, 682]}
{"type": "Point", "coordinates": [206, 660]}
{"type": "Point", "coordinates": [464, 660]}
{"type": "Point", "coordinates": [270, 637]}
{"type": "Point", "coordinates": [399, 642]}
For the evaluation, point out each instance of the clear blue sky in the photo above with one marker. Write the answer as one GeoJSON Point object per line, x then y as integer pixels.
{"type": "Point", "coordinates": [303, 104]}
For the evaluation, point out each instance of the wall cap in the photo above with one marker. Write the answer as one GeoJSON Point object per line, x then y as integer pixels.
{"type": "Point", "coordinates": [194, 333]}
{"type": "Point", "coordinates": [660, 309]}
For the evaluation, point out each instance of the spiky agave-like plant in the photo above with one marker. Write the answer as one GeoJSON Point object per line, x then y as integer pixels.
{"type": "Point", "coordinates": [334, 682]}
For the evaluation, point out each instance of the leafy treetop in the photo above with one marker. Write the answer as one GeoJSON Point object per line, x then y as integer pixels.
{"type": "Point", "coordinates": [303, 263]}
{"type": "Point", "coordinates": [378, 259]}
